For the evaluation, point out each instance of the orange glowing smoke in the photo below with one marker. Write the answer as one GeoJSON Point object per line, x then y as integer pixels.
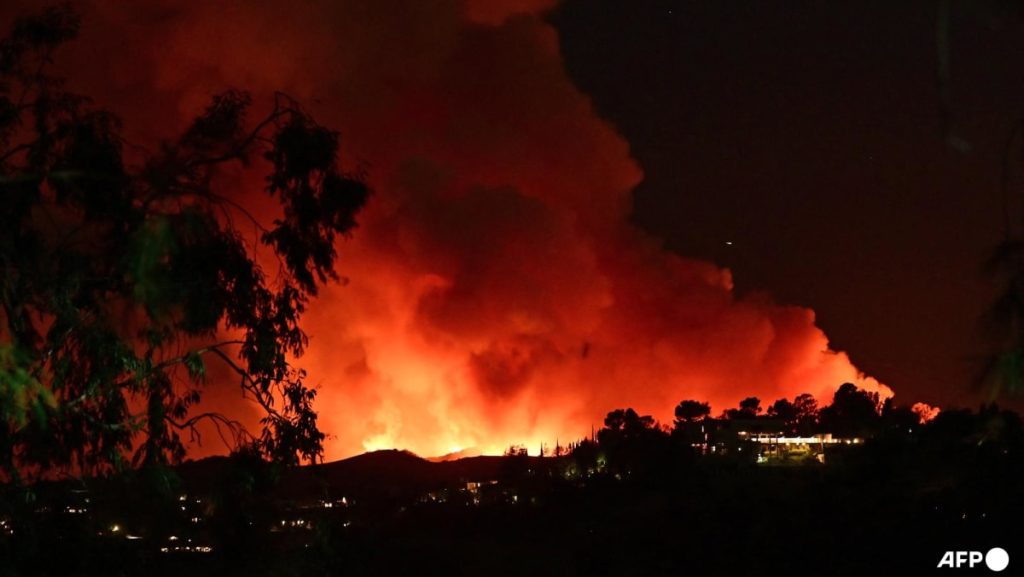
{"type": "Point", "coordinates": [925, 411]}
{"type": "Point", "coordinates": [497, 293]}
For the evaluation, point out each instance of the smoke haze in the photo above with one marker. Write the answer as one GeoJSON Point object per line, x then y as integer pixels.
{"type": "Point", "coordinates": [496, 292]}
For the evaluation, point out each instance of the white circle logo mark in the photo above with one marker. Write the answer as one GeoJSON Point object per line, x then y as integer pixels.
{"type": "Point", "coordinates": [997, 559]}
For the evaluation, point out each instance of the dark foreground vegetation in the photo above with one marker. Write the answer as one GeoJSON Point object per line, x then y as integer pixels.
{"type": "Point", "coordinates": [636, 500]}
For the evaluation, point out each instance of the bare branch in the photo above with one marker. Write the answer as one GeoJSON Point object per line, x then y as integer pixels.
{"type": "Point", "coordinates": [237, 429]}
{"type": "Point", "coordinates": [249, 384]}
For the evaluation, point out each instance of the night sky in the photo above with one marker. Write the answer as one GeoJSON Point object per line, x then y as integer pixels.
{"type": "Point", "coordinates": [809, 135]}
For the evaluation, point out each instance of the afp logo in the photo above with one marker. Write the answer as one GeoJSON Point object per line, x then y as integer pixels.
{"type": "Point", "coordinates": [996, 559]}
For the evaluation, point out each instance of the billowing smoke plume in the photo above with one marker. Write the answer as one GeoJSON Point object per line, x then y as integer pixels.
{"type": "Point", "coordinates": [496, 292]}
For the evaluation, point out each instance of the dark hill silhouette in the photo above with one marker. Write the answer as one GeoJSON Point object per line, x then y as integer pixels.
{"type": "Point", "coordinates": [205, 475]}
{"type": "Point", "coordinates": [383, 474]}
{"type": "Point", "coordinates": [389, 472]}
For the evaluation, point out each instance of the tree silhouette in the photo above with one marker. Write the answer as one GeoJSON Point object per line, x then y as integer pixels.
{"type": "Point", "coordinates": [516, 451]}
{"type": "Point", "coordinates": [783, 410]}
{"type": "Point", "coordinates": [120, 283]}
{"type": "Point", "coordinates": [852, 412]}
{"type": "Point", "coordinates": [806, 407]}
{"type": "Point", "coordinates": [634, 444]}
{"type": "Point", "coordinates": [749, 408]}
{"type": "Point", "coordinates": [689, 423]}
{"type": "Point", "coordinates": [689, 411]}
{"type": "Point", "coordinates": [896, 420]}
{"type": "Point", "coordinates": [627, 424]}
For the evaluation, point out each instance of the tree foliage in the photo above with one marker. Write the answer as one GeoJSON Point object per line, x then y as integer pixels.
{"type": "Point", "coordinates": [783, 410]}
{"type": "Point", "coordinates": [749, 408]}
{"type": "Point", "coordinates": [627, 424]}
{"type": "Point", "coordinates": [1004, 369]}
{"type": "Point", "coordinates": [124, 275]}
{"type": "Point", "coordinates": [853, 412]}
{"type": "Point", "coordinates": [689, 411]}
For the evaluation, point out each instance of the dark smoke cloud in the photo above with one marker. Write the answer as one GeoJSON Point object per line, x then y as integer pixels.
{"type": "Point", "coordinates": [497, 293]}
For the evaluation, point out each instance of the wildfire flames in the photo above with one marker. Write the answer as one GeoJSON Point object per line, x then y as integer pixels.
{"type": "Point", "coordinates": [496, 292]}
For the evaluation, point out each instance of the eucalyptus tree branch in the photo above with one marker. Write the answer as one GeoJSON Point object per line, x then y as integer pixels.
{"type": "Point", "coordinates": [249, 384]}
{"type": "Point", "coordinates": [236, 428]}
